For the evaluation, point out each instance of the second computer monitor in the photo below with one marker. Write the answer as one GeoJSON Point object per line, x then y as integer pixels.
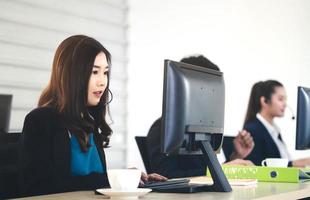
{"type": "Point", "coordinates": [5, 112]}
{"type": "Point", "coordinates": [193, 96]}
{"type": "Point", "coordinates": [303, 119]}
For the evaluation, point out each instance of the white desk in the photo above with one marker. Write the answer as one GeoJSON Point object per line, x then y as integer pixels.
{"type": "Point", "coordinates": [263, 190]}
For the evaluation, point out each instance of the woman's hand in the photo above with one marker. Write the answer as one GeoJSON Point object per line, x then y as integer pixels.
{"type": "Point", "coordinates": [243, 145]}
{"type": "Point", "coordinates": [240, 162]}
{"type": "Point", "coordinates": [151, 177]}
{"type": "Point", "coordinates": [305, 162]}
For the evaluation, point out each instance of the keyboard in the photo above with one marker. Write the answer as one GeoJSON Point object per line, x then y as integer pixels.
{"type": "Point", "coordinates": [176, 186]}
{"type": "Point", "coordinates": [165, 184]}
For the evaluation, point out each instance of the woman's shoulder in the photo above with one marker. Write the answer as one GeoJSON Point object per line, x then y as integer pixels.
{"type": "Point", "coordinates": [253, 122]}
{"type": "Point", "coordinates": [41, 119]}
{"type": "Point", "coordinates": [256, 128]}
{"type": "Point", "coordinates": [42, 113]}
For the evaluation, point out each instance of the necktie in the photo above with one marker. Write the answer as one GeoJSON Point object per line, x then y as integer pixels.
{"type": "Point", "coordinates": [280, 138]}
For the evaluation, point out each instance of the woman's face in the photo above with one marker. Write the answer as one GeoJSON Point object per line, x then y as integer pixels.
{"type": "Point", "coordinates": [276, 106]}
{"type": "Point", "coordinates": [98, 80]}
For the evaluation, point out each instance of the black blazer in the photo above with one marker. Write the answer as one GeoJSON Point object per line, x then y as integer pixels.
{"type": "Point", "coordinates": [171, 166]}
{"type": "Point", "coordinates": [264, 146]}
{"type": "Point", "coordinates": [45, 157]}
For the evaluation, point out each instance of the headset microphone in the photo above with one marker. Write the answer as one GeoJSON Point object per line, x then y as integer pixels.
{"type": "Point", "coordinates": [291, 110]}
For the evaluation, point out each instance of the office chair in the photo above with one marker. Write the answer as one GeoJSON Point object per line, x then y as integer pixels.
{"type": "Point", "coordinates": [228, 146]}
{"type": "Point", "coordinates": [9, 159]}
{"type": "Point", "coordinates": [142, 146]}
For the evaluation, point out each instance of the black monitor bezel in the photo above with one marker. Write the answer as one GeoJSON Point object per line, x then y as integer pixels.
{"type": "Point", "coordinates": [302, 141]}
{"type": "Point", "coordinates": [5, 109]}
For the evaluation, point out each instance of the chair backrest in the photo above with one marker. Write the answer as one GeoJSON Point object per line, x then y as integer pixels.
{"type": "Point", "coordinates": [228, 146]}
{"type": "Point", "coordinates": [142, 146]}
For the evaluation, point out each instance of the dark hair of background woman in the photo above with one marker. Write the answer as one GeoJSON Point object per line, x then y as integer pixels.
{"type": "Point", "coordinates": [67, 90]}
{"type": "Point", "coordinates": [260, 89]}
{"type": "Point", "coordinates": [201, 61]}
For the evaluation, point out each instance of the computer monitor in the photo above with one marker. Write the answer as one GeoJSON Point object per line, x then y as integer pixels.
{"type": "Point", "coordinates": [192, 95]}
{"type": "Point", "coordinates": [303, 119]}
{"type": "Point", "coordinates": [193, 111]}
{"type": "Point", "coordinates": [5, 112]}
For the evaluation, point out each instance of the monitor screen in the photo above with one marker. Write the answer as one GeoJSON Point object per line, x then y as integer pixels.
{"type": "Point", "coordinates": [303, 119]}
{"type": "Point", "coordinates": [192, 96]}
{"type": "Point", "coordinates": [5, 112]}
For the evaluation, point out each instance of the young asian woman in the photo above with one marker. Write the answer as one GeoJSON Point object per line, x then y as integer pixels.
{"type": "Point", "coordinates": [64, 138]}
{"type": "Point", "coordinates": [268, 101]}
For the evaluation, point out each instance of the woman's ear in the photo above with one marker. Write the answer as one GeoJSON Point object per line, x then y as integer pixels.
{"type": "Point", "coordinates": [263, 101]}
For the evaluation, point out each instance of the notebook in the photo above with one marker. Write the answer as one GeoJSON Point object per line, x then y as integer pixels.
{"type": "Point", "coordinates": [267, 174]}
{"type": "Point", "coordinates": [232, 182]}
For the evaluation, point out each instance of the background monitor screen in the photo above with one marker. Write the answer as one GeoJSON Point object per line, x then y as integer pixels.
{"type": "Point", "coordinates": [303, 119]}
{"type": "Point", "coordinates": [5, 112]}
{"type": "Point", "coordinates": [195, 96]}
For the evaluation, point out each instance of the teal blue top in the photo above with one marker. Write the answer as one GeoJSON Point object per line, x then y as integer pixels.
{"type": "Point", "coordinates": [84, 163]}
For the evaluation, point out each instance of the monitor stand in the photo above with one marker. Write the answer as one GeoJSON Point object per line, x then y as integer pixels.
{"type": "Point", "coordinates": [201, 135]}
{"type": "Point", "coordinates": [220, 182]}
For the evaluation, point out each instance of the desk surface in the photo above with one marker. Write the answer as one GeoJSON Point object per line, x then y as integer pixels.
{"type": "Point", "coordinates": [263, 190]}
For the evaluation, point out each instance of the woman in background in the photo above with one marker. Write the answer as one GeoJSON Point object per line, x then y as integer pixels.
{"type": "Point", "coordinates": [267, 101]}
{"type": "Point", "coordinates": [63, 139]}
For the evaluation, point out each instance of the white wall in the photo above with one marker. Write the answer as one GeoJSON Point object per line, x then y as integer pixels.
{"type": "Point", "coordinates": [248, 40]}
{"type": "Point", "coordinates": [31, 30]}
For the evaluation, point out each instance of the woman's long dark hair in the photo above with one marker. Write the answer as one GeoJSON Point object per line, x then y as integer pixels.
{"type": "Point", "coordinates": [68, 89]}
{"type": "Point", "coordinates": [260, 89]}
